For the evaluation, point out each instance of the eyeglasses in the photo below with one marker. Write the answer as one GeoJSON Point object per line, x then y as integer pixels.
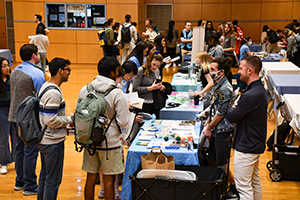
{"type": "Point", "coordinates": [69, 69]}
{"type": "Point", "coordinates": [4, 66]}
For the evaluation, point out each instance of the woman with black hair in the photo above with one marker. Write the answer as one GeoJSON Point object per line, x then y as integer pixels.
{"type": "Point", "coordinates": [264, 38]}
{"type": "Point", "coordinates": [209, 29]}
{"type": "Point", "coordinates": [6, 156]}
{"type": "Point", "coordinates": [171, 34]}
{"type": "Point", "coordinates": [216, 50]}
{"type": "Point", "coordinates": [138, 53]}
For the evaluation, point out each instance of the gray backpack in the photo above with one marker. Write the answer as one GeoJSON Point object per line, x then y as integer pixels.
{"type": "Point", "coordinates": [91, 124]}
{"type": "Point", "coordinates": [28, 121]}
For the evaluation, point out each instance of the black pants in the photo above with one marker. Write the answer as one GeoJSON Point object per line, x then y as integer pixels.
{"type": "Point", "coordinates": [109, 50]}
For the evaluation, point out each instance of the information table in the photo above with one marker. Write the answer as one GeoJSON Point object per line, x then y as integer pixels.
{"type": "Point", "coordinates": [5, 53]}
{"type": "Point", "coordinates": [181, 83]}
{"type": "Point", "coordinates": [186, 111]}
{"type": "Point", "coordinates": [292, 102]}
{"type": "Point", "coordinates": [182, 156]}
{"type": "Point", "coordinates": [280, 68]}
{"type": "Point", "coordinates": [286, 83]}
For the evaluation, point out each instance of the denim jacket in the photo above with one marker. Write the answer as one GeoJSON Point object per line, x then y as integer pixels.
{"type": "Point", "coordinates": [221, 99]}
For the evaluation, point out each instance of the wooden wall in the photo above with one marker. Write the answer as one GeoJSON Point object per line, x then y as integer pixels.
{"type": "Point", "coordinates": [80, 46]}
{"type": "Point", "coordinates": [3, 43]}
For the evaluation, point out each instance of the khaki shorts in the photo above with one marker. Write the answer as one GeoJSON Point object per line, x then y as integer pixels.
{"type": "Point", "coordinates": [112, 166]}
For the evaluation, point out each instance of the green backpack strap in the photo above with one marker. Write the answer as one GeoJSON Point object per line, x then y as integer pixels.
{"type": "Point", "coordinates": [109, 90]}
{"type": "Point", "coordinates": [89, 87]}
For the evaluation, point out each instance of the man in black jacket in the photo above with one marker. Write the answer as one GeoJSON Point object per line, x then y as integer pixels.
{"type": "Point", "coordinates": [250, 116]}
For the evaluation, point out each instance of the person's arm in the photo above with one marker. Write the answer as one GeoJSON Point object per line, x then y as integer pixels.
{"type": "Point", "coordinates": [209, 85]}
{"type": "Point", "coordinates": [134, 33]}
{"type": "Point", "coordinates": [52, 99]}
{"type": "Point", "coordinates": [121, 108]}
{"type": "Point", "coordinates": [214, 122]}
{"type": "Point", "coordinates": [119, 34]}
{"type": "Point", "coordinates": [244, 105]}
{"type": "Point", "coordinates": [47, 43]}
{"type": "Point", "coordinates": [46, 31]}
{"type": "Point", "coordinates": [110, 34]}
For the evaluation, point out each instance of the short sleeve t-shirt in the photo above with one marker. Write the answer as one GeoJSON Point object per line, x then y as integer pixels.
{"type": "Point", "coordinates": [41, 25]}
{"type": "Point", "coordinates": [243, 51]}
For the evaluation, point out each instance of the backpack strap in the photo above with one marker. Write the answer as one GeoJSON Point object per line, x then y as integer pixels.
{"type": "Point", "coordinates": [42, 93]}
{"type": "Point", "coordinates": [89, 87]}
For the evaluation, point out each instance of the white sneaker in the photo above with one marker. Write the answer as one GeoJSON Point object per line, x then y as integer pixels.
{"type": "Point", "coordinates": [3, 169]}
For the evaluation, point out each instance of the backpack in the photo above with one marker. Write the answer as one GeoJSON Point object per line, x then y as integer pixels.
{"type": "Point", "coordinates": [125, 34]}
{"type": "Point", "coordinates": [283, 130]}
{"type": "Point", "coordinates": [272, 36]}
{"type": "Point", "coordinates": [102, 37]}
{"type": "Point", "coordinates": [90, 120]}
{"type": "Point", "coordinates": [297, 37]}
{"type": "Point", "coordinates": [28, 121]}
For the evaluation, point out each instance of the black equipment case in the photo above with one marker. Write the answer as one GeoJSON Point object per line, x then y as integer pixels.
{"type": "Point", "coordinates": [208, 186]}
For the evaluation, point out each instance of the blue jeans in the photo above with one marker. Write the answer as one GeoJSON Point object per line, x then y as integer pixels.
{"type": "Point", "coordinates": [52, 159]}
{"type": "Point", "coordinates": [25, 165]}
{"type": "Point", "coordinates": [7, 152]}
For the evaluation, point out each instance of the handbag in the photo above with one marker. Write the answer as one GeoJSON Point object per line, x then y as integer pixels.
{"type": "Point", "coordinates": [157, 160]}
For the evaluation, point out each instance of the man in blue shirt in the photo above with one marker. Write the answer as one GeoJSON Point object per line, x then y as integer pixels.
{"type": "Point", "coordinates": [25, 80]}
{"type": "Point", "coordinates": [186, 39]}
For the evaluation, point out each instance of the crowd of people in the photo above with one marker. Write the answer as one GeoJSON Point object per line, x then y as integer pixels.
{"type": "Point", "coordinates": [140, 70]}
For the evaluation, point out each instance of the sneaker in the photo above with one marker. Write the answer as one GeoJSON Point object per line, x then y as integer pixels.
{"type": "Point", "coordinates": [101, 194]}
{"type": "Point", "coordinates": [33, 191]}
{"type": "Point", "coordinates": [117, 194]}
{"type": "Point", "coordinates": [3, 169]}
{"type": "Point", "coordinates": [19, 186]}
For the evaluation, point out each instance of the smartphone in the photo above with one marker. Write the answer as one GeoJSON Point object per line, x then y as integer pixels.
{"type": "Point", "coordinates": [158, 80]}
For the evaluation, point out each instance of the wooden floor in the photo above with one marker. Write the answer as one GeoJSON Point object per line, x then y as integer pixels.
{"type": "Point", "coordinates": [74, 178]}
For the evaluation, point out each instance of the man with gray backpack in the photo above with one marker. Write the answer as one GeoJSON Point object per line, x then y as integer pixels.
{"type": "Point", "coordinates": [127, 37]}
{"type": "Point", "coordinates": [108, 155]}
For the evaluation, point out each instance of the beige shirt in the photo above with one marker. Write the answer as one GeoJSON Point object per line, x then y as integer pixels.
{"type": "Point", "coordinates": [41, 41]}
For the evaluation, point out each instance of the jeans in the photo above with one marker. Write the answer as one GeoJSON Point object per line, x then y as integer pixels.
{"type": "Point", "coordinates": [52, 159]}
{"type": "Point", "coordinates": [246, 175]}
{"type": "Point", "coordinates": [7, 153]}
{"type": "Point", "coordinates": [25, 165]}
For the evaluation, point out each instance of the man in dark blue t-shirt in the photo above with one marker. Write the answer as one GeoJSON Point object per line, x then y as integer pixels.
{"type": "Point", "coordinates": [250, 116]}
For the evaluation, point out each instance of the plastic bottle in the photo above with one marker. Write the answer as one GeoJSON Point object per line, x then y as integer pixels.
{"type": "Point", "coordinates": [190, 143]}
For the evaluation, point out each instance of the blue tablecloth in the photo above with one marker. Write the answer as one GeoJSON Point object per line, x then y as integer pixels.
{"type": "Point", "coordinates": [255, 47]}
{"type": "Point", "coordinates": [181, 157]}
{"type": "Point", "coordinates": [271, 57]}
{"type": "Point", "coordinates": [286, 83]}
{"type": "Point", "coordinates": [181, 84]}
{"type": "Point", "coordinates": [184, 111]}
{"type": "Point", "coordinates": [5, 53]}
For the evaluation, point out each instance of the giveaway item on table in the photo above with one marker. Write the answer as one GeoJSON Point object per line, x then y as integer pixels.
{"type": "Point", "coordinates": [157, 160]}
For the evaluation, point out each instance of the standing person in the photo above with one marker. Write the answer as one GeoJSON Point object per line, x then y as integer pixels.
{"type": "Point", "coordinates": [203, 75]}
{"type": "Point", "coordinates": [264, 38]}
{"type": "Point", "coordinates": [38, 20]}
{"type": "Point", "coordinates": [25, 80]}
{"type": "Point", "coordinates": [250, 116]}
{"type": "Point", "coordinates": [171, 38]}
{"type": "Point", "coordinates": [245, 50]}
{"type": "Point", "coordinates": [42, 43]}
{"type": "Point", "coordinates": [6, 156]}
{"type": "Point", "coordinates": [138, 54]}
{"type": "Point", "coordinates": [218, 128]}
{"type": "Point", "coordinates": [238, 37]}
{"type": "Point", "coordinates": [52, 115]}
{"type": "Point", "coordinates": [128, 37]}
{"type": "Point", "coordinates": [216, 50]}
{"type": "Point", "coordinates": [209, 29]}
{"type": "Point", "coordinates": [273, 38]}
{"type": "Point", "coordinates": [116, 29]}
{"type": "Point", "coordinates": [186, 39]}
{"type": "Point", "coordinates": [229, 42]}
{"type": "Point", "coordinates": [145, 83]}
{"type": "Point", "coordinates": [109, 47]}
{"type": "Point", "coordinates": [116, 104]}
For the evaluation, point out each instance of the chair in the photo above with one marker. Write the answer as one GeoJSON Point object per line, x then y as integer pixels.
{"type": "Point", "coordinates": [271, 92]}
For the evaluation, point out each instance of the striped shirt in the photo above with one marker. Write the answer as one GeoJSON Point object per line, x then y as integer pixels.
{"type": "Point", "coordinates": [52, 113]}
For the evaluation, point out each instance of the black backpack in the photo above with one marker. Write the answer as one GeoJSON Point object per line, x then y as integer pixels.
{"type": "Point", "coordinates": [125, 34]}
{"type": "Point", "coordinates": [283, 130]}
{"type": "Point", "coordinates": [272, 36]}
{"type": "Point", "coordinates": [28, 121]}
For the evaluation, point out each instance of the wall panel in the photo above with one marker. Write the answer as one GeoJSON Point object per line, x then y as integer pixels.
{"type": "Point", "coordinates": [216, 11]}
{"type": "Point", "coordinates": [118, 11]}
{"type": "Point", "coordinates": [21, 11]}
{"type": "Point", "coordinates": [23, 30]}
{"type": "Point", "coordinates": [272, 11]}
{"type": "Point", "coordinates": [296, 9]}
{"type": "Point", "coordinates": [62, 36]}
{"type": "Point", "coordinates": [238, 11]}
{"type": "Point", "coordinates": [89, 54]}
{"type": "Point", "coordinates": [67, 51]}
{"type": "Point", "coordinates": [186, 11]}
{"type": "Point", "coordinates": [86, 37]}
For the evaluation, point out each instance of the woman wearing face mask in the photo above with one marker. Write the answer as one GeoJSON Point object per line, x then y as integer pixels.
{"type": "Point", "coordinates": [6, 156]}
{"type": "Point", "coordinates": [147, 82]}
{"type": "Point", "coordinates": [245, 50]}
{"type": "Point", "coordinates": [203, 75]}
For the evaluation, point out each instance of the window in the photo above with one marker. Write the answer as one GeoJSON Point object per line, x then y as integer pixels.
{"type": "Point", "coordinates": [75, 16]}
